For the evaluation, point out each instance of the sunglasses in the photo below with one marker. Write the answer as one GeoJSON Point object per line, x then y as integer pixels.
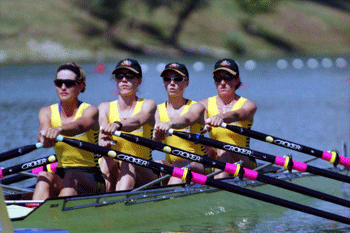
{"type": "Point", "coordinates": [67, 83]}
{"type": "Point", "coordinates": [122, 75]}
{"type": "Point", "coordinates": [218, 78]}
{"type": "Point", "coordinates": [175, 79]}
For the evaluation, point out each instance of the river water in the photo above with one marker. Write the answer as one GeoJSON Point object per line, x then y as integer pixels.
{"type": "Point", "coordinates": [305, 100]}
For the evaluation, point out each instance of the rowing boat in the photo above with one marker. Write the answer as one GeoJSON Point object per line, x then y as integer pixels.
{"type": "Point", "coordinates": [121, 211]}
{"type": "Point", "coordinates": [133, 210]}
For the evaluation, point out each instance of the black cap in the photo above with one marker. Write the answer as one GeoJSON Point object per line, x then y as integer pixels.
{"type": "Point", "coordinates": [129, 64]}
{"type": "Point", "coordinates": [228, 65]}
{"type": "Point", "coordinates": [177, 67]}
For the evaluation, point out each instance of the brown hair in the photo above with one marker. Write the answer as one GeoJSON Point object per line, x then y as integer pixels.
{"type": "Point", "coordinates": [78, 70]}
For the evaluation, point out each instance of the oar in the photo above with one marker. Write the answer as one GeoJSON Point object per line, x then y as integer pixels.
{"type": "Point", "coordinates": [280, 161]}
{"type": "Point", "coordinates": [16, 189]}
{"type": "Point", "coordinates": [236, 170]}
{"type": "Point", "coordinates": [27, 165]}
{"type": "Point", "coordinates": [19, 151]}
{"type": "Point", "coordinates": [333, 157]}
{"type": "Point", "coordinates": [190, 176]}
{"type": "Point", "coordinates": [29, 174]}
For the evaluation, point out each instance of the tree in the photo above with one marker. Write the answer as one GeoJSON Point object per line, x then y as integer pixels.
{"type": "Point", "coordinates": [182, 8]}
{"type": "Point", "coordinates": [107, 10]}
{"type": "Point", "coordinates": [183, 15]}
{"type": "Point", "coordinates": [255, 7]}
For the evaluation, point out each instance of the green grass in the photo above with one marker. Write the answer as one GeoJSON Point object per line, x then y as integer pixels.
{"type": "Point", "coordinates": [217, 29]}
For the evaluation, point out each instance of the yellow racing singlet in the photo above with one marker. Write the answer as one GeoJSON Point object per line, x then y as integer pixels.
{"type": "Point", "coordinates": [145, 131]}
{"type": "Point", "coordinates": [226, 135]}
{"type": "Point", "coordinates": [69, 156]}
{"type": "Point", "coordinates": [179, 142]}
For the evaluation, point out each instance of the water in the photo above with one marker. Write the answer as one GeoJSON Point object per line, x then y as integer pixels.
{"type": "Point", "coordinates": [307, 104]}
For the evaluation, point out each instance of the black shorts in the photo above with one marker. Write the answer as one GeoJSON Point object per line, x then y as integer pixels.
{"type": "Point", "coordinates": [94, 171]}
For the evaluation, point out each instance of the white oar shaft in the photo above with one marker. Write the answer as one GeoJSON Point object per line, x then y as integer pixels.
{"type": "Point", "coordinates": [23, 201]}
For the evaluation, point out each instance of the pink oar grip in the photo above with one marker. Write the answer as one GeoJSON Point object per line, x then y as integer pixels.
{"type": "Point", "coordinates": [53, 167]}
{"type": "Point", "coordinates": [342, 160]}
{"type": "Point", "coordinates": [196, 178]}
{"type": "Point", "coordinates": [230, 168]}
{"type": "Point", "coordinates": [280, 161]}
{"type": "Point", "coordinates": [1, 175]}
{"type": "Point", "coordinates": [326, 156]}
{"type": "Point", "coordinates": [249, 174]}
{"type": "Point", "coordinates": [299, 166]}
{"type": "Point", "coordinates": [37, 170]}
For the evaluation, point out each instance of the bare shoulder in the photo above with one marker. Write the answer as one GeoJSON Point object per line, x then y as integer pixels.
{"type": "Point", "coordinates": [197, 107]}
{"type": "Point", "coordinates": [149, 105]}
{"type": "Point", "coordinates": [103, 106]}
{"type": "Point", "coordinates": [250, 105]}
{"type": "Point", "coordinates": [45, 111]}
{"type": "Point", "coordinates": [204, 102]}
{"type": "Point", "coordinates": [45, 115]}
{"type": "Point", "coordinates": [91, 110]}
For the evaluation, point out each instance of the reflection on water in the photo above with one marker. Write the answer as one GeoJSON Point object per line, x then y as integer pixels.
{"type": "Point", "coordinates": [305, 101]}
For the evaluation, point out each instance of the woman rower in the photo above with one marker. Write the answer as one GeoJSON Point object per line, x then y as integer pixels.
{"type": "Point", "coordinates": [230, 108]}
{"type": "Point", "coordinates": [179, 113]}
{"type": "Point", "coordinates": [127, 114]}
{"type": "Point", "coordinates": [77, 170]}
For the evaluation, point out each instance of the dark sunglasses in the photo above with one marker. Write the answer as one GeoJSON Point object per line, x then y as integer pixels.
{"type": "Point", "coordinates": [176, 79]}
{"type": "Point", "coordinates": [67, 83]}
{"type": "Point", "coordinates": [122, 75]}
{"type": "Point", "coordinates": [218, 78]}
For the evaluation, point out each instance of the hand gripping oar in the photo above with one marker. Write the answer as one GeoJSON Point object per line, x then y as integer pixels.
{"type": "Point", "coordinates": [27, 165]}
{"type": "Point", "coordinates": [280, 161]}
{"type": "Point", "coordinates": [236, 170]}
{"type": "Point", "coordinates": [332, 157]}
{"type": "Point", "coordinates": [19, 151]}
{"type": "Point", "coordinates": [190, 176]}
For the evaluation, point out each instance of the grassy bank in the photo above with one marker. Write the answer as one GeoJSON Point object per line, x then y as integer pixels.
{"type": "Point", "coordinates": [37, 31]}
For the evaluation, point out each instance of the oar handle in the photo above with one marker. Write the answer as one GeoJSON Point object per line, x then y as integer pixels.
{"type": "Point", "coordinates": [170, 131]}
{"type": "Point", "coordinates": [19, 151]}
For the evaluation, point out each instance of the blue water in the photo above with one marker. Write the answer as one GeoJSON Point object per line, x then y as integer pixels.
{"type": "Point", "coordinates": [308, 105]}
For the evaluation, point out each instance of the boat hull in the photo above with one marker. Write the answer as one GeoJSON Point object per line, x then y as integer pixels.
{"type": "Point", "coordinates": [113, 212]}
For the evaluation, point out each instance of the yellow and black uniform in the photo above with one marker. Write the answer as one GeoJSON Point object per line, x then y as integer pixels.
{"type": "Point", "coordinates": [74, 159]}
{"type": "Point", "coordinates": [179, 142]}
{"type": "Point", "coordinates": [225, 135]}
{"type": "Point", "coordinates": [126, 146]}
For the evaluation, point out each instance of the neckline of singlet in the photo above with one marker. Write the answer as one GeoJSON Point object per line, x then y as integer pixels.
{"type": "Point", "coordinates": [60, 105]}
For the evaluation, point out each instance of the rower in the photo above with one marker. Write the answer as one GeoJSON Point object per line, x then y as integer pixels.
{"type": "Point", "coordinates": [228, 107]}
{"type": "Point", "coordinates": [128, 114]}
{"type": "Point", "coordinates": [182, 114]}
{"type": "Point", "coordinates": [77, 170]}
